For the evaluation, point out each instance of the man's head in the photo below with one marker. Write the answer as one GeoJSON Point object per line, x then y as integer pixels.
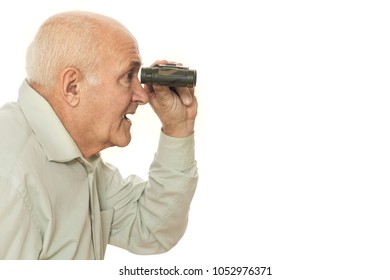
{"type": "Point", "coordinates": [86, 66]}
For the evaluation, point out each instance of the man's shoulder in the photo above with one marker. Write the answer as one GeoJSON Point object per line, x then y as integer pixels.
{"type": "Point", "coordinates": [15, 133]}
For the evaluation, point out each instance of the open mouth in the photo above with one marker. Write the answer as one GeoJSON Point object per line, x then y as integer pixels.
{"type": "Point", "coordinates": [125, 118]}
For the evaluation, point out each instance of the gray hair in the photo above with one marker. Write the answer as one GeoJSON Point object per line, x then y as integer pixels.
{"type": "Point", "coordinates": [65, 40]}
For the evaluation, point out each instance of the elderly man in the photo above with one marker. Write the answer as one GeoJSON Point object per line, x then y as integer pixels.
{"type": "Point", "coordinates": [59, 200]}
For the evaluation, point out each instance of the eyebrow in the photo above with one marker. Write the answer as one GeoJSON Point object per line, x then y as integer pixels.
{"type": "Point", "coordinates": [131, 65]}
{"type": "Point", "coordinates": [135, 64]}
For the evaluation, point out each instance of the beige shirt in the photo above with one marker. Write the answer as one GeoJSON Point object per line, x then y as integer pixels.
{"type": "Point", "coordinates": [55, 204]}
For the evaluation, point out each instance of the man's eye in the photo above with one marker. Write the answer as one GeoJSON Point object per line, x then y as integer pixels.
{"type": "Point", "coordinates": [130, 75]}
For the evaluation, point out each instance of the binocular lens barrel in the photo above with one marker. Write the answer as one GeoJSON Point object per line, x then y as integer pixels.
{"type": "Point", "coordinates": [168, 76]}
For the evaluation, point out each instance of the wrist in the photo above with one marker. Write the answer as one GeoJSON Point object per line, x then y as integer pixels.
{"type": "Point", "coordinates": [181, 130]}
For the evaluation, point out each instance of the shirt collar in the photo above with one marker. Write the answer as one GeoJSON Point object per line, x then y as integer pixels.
{"type": "Point", "coordinates": [51, 133]}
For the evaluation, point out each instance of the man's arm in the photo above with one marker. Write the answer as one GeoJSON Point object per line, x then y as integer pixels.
{"type": "Point", "coordinates": [151, 217]}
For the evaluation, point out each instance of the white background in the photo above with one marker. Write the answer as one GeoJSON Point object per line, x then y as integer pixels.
{"type": "Point", "coordinates": [292, 134]}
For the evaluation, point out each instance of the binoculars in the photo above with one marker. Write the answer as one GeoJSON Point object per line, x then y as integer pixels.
{"type": "Point", "coordinates": [168, 75]}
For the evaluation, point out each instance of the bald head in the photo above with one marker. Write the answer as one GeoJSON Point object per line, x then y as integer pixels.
{"type": "Point", "coordinates": [72, 39]}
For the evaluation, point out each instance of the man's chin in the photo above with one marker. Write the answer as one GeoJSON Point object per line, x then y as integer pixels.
{"type": "Point", "coordinates": [122, 135]}
{"type": "Point", "coordinates": [123, 141]}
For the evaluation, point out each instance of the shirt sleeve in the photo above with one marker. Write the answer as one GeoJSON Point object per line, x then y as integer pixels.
{"type": "Point", "coordinates": [151, 216]}
{"type": "Point", "coordinates": [19, 237]}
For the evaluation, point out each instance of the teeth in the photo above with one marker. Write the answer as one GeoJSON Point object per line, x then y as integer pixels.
{"type": "Point", "coordinates": [125, 117]}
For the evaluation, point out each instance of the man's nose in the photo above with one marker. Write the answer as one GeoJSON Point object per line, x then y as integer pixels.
{"type": "Point", "coordinates": [139, 94]}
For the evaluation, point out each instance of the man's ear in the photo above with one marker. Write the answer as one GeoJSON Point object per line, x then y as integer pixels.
{"type": "Point", "coordinates": [70, 86]}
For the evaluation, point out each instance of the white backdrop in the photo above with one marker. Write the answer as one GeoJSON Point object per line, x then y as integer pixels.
{"type": "Point", "coordinates": [292, 134]}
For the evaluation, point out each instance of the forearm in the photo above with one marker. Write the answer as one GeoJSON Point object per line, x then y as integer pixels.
{"type": "Point", "coordinates": [173, 177]}
{"type": "Point", "coordinates": [156, 220]}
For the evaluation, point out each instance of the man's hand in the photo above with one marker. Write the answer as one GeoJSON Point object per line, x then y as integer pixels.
{"type": "Point", "coordinates": [177, 110]}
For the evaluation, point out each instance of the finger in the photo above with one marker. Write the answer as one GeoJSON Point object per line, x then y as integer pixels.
{"type": "Point", "coordinates": [159, 62]}
{"type": "Point", "coordinates": [162, 93]}
{"type": "Point", "coordinates": [166, 62]}
{"type": "Point", "coordinates": [185, 94]}
{"type": "Point", "coordinates": [149, 90]}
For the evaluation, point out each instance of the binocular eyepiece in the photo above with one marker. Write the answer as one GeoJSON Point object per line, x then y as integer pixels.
{"type": "Point", "coordinates": [168, 75]}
